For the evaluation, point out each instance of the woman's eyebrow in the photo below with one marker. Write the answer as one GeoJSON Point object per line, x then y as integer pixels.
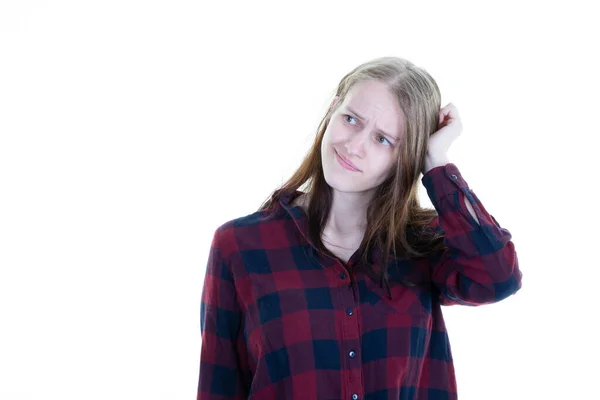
{"type": "Point", "coordinates": [377, 128]}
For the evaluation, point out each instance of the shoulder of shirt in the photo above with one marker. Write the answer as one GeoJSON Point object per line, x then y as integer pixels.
{"type": "Point", "coordinates": [254, 219]}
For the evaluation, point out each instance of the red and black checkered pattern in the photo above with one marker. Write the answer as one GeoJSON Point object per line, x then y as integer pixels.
{"type": "Point", "coordinates": [280, 320]}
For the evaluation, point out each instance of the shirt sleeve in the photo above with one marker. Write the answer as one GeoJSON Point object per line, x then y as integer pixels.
{"type": "Point", "coordinates": [223, 371]}
{"type": "Point", "coordinates": [480, 265]}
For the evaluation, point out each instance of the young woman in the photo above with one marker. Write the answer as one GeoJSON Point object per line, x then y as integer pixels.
{"type": "Point", "coordinates": [334, 291]}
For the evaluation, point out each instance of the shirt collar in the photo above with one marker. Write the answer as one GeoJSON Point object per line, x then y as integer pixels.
{"type": "Point", "coordinates": [297, 214]}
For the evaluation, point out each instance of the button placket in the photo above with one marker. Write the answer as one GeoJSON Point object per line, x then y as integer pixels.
{"type": "Point", "coordinates": [350, 327]}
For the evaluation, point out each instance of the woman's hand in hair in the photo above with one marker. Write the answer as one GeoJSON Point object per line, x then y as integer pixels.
{"type": "Point", "coordinates": [449, 128]}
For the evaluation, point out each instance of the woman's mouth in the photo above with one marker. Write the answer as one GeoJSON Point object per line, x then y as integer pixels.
{"type": "Point", "coordinates": [346, 164]}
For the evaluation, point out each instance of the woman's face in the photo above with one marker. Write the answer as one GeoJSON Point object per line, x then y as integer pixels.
{"type": "Point", "coordinates": [366, 130]}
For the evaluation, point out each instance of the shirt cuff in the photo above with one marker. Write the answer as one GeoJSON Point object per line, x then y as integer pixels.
{"type": "Point", "coordinates": [443, 180]}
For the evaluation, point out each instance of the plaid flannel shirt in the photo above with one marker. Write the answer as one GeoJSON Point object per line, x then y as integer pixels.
{"type": "Point", "coordinates": [280, 320]}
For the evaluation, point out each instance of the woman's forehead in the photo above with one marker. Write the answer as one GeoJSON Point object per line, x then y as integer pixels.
{"type": "Point", "coordinates": [368, 100]}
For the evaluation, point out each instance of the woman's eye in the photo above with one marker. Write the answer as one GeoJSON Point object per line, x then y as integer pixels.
{"type": "Point", "coordinates": [384, 138]}
{"type": "Point", "coordinates": [349, 116]}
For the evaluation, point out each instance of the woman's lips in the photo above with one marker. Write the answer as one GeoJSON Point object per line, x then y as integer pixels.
{"type": "Point", "coordinates": [346, 164]}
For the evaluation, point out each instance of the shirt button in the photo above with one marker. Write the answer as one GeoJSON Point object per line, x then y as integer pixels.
{"type": "Point", "coordinates": [343, 275]}
{"type": "Point", "coordinates": [352, 354]}
{"type": "Point", "coordinates": [349, 311]}
{"type": "Point", "coordinates": [354, 396]}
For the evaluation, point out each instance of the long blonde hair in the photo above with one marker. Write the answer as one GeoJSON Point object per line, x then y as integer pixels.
{"type": "Point", "coordinates": [396, 223]}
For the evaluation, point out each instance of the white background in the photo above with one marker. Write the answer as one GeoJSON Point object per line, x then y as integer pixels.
{"type": "Point", "coordinates": [130, 130]}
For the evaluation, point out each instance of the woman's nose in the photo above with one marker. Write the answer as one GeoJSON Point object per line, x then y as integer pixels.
{"type": "Point", "coordinates": [356, 143]}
